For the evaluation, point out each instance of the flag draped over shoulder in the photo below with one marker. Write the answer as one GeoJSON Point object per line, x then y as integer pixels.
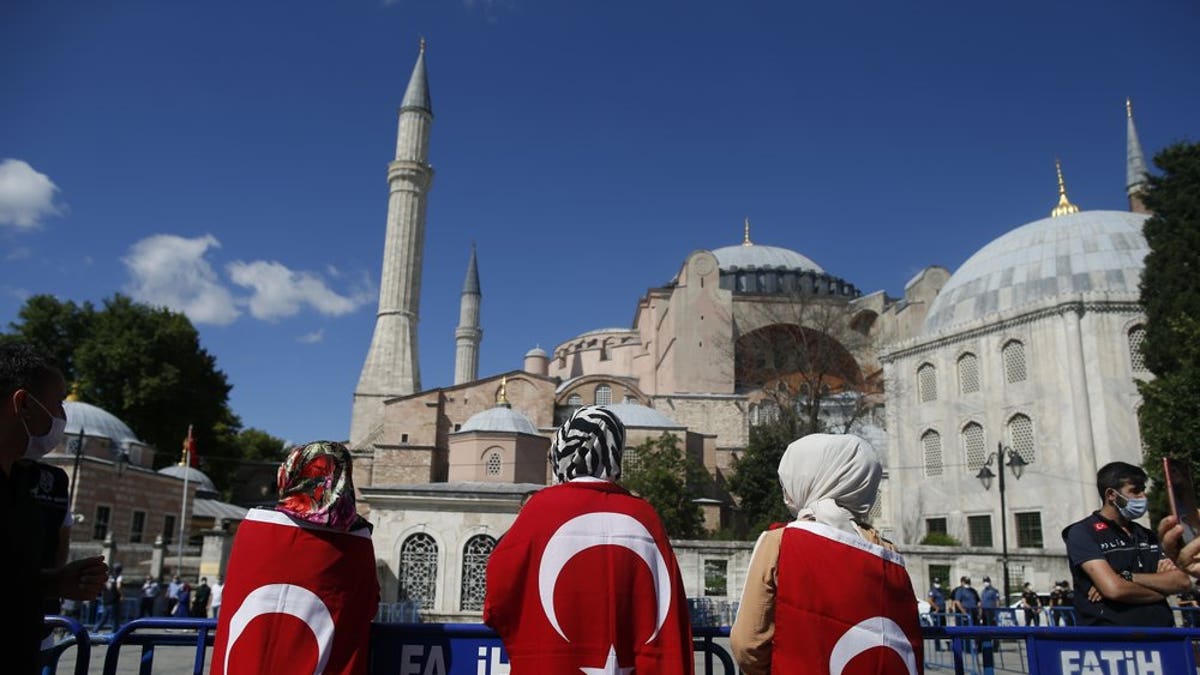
{"type": "Point", "coordinates": [843, 606]}
{"type": "Point", "coordinates": [585, 581]}
{"type": "Point", "coordinates": [298, 598]}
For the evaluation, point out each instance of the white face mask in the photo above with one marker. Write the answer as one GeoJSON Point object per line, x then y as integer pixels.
{"type": "Point", "coordinates": [39, 446]}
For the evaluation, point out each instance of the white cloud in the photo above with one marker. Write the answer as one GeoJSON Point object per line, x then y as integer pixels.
{"type": "Point", "coordinates": [171, 271]}
{"type": "Point", "coordinates": [313, 337]}
{"type": "Point", "coordinates": [280, 292]}
{"type": "Point", "coordinates": [26, 196]}
{"type": "Point", "coordinates": [18, 253]}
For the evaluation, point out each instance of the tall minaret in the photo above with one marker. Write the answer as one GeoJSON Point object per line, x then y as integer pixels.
{"type": "Point", "coordinates": [391, 368]}
{"type": "Point", "coordinates": [468, 334]}
{"type": "Point", "coordinates": [1135, 163]}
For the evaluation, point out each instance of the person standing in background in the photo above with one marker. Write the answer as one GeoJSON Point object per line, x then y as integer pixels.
{"type": "Point", "coordinates": [218, 589]}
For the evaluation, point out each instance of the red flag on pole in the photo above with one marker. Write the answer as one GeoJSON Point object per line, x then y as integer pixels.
{"type": "Point", "coordinates": [189, 450]}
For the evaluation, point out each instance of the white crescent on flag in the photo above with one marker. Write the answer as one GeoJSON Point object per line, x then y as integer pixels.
{"type": "Point", "coordinates": [288, 599]}
{"type": "Point", "coordinates": [604, 528]}
{"type": "Point", "coordinates": [877, 631]}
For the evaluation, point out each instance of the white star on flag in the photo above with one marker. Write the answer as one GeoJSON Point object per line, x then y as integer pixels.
{"type": "Point", "coordinates": [610, 666]}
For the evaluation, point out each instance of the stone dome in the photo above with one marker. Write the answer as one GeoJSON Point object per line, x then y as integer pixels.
{"type": "Point", "coordinates": [1085, 252]}
{"type": "Point", "coordinates": [500, 418]}
{"type": "Point", "coordinates": [762, 257]}
{"type": "Point", "coordinates": [536, 351]}
{"type": "Point", "coordinates": [638, 415]}
{"type": "Point", "coordinates": [98, 423]}
{"type": "Point", "coordinates": [202, 481]}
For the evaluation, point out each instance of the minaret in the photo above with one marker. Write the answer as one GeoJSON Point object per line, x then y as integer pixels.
{"type": "Point", "coordinates": [1064, 206]}
{"type": "Point", "coordinates": [391, 368]}
{"type": "Point", "coordinates": [468, 334]}
{"type": "Point", "coordinates": [1135, 163]}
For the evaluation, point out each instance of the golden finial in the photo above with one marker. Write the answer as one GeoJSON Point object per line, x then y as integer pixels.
{"type": "Point", "coordinates": [422, 44]}
{"type": "Point", "coordinates": [1128, 108]}
{"type": "Point", "coordinates": [73, 396]}
{"type": "Point", "coordinates": [746, 233]}
{"type": "Point", "coordinates": [1064, 206]}
{"type": "Point", "coordinates": [502, 395]}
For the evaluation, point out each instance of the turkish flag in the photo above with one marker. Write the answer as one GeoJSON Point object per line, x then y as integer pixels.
{"type": "Point", "coordinates": [843, 606]}
{"type": "Point", "coordinates": [586, 581]}
{"type": "Point", "coordinates": [299, 598]}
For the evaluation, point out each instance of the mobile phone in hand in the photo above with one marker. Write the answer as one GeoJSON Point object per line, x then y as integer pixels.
{"type": "Point", "coordinates": [1182, 493]}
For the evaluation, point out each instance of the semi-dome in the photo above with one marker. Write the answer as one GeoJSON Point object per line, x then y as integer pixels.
{"type": "Point", "coordinates": [638, 415]}
{"type": "Point", "coordinates": [760, 257]}
{"type": "Point", "coordinates": [199, 478]}
{"type": "Point", "coordinates": [97, 422]}
{"type": "Point", "coordinates": [500, 418]}
{"type": "Point", "coordinates": [1085, 252]}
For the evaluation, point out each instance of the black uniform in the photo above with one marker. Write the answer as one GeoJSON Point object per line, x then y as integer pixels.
{"type": "Point", "coordinates": [1098, 538]}
{"type": "Point", "coordinates": [22, 536]}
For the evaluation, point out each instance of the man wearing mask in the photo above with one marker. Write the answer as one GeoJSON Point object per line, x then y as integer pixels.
{"type": "Point", "coordinates": [1120, 573]}
{"type": "Point", "coordinates": [32, 420]}
{"type": "Point", "coordinates": [990, 602]}
{"type": "Point", "coordinates": [966, 600]}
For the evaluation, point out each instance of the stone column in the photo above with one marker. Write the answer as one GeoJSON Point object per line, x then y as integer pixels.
{"type": "Point", "coordinates": [156, 558]}
{"type": "Point", "coordinates": [214, 554]}
{"type": "Point", "coordinates": [109, 549]}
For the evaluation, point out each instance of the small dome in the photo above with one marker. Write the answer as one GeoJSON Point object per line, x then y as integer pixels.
{"type": "Point", "coordinates": [202, 481]}
{"type": "Point", "coordinates": [98, 423]}
{"type": "Point", "coordinates": [638, 415]}
{"type": "Point", "coordinates": [536, 351]}
{"type": "Point", "coordinates": [1085, 252]}
{"type": "Point", "coordinates": [500, 418]}
{"type": "Point", "coordinates": [760, 257]}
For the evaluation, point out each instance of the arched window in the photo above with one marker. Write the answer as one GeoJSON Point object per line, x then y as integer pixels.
{"type": "Point", "coordinates": [418, 570]}
{"type": "Point", "coordinates": [474, 568]}
{"type": "Point", "coordinates": [1013, 355]}
{"type": "Point", "coordinates": [754, 415]}
{"type": "Point", "coordinates": [629, 459]}
{"type": "Point", "coordinates": [974, 446]}
{"type": "Point", "coordinates": [603, 395]}
{"type": "Point", "coordinates": [575, 401]}
{"type": "Point", "coordinates": [968, 374]}
{"type": "Point", "coordinates": [927, 382]}
{"type": "Point", "coordinates": [1137, 335]}
{"type": "Point", "coordinates": [1020, 436]}
{"type": "Point", "coordinates": [493, 463]}
{"type": "Point", "coordinates": [932, 442]}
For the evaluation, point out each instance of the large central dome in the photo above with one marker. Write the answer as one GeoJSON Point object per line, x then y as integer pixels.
{"type": "Point", "coordinates": [762, 257]}
{"type": "Point", "coordinates": [1085, 252]}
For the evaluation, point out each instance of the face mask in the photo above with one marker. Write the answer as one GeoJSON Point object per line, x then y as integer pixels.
{"type": "Point", "coordinates": [987, 584]}
{"type": "Point", "coordinates": [39, 446]}
{"type": "Point", "coordinates": [1134, 508]}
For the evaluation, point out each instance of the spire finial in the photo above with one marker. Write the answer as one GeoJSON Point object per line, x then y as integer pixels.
{"type": "Point", "coordinates": [746, 233]}
{"type": "Point", "coordinates": [422, 44]}
{"type": "Point", "coordinates": [502, 395]}
{"type": "Point", "coordinates": [1128, 108]}
{"type": "Point", "coordinates": [73, 396]}
{"type": "Point", "coordinates": [1064, 206]}
{"type": "Point", "coordinates": [1135, 163]}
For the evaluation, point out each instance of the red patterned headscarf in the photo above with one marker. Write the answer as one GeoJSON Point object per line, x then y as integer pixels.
{"type": "Point", "coordinates": [315, 485]}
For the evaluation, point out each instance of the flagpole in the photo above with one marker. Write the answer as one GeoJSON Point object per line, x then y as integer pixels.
{"type": "Point", "coordinates": [75, 474]}
{"type": "Point", "coordinates": [187, 465]}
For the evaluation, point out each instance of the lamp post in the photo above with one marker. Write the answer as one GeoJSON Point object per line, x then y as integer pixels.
{"type": "Point", "coordinates": [1002, 456]}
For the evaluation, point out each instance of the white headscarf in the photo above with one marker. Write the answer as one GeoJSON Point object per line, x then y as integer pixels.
{"type": "Point", "coordinates": [832, 479]}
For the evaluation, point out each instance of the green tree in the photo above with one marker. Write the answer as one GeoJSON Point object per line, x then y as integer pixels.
{"type": "Point", "coordinates": [56, 327]}
{"type": "Point", "coordinates": [1170, 294]}
{"type": "Point", "coordinates": [755, 479]}
{"type": "Point", "coordinates": [663, 476]}
{"type": "Point", "coordinates": [246, 446]}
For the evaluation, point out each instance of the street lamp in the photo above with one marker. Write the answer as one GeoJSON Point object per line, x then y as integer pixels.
{"type": "Point", "coordinates": [1002, 456]}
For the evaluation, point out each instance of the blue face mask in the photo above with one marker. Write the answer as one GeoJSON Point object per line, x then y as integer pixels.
{"type": "Point", "coordinates": [1134, 508]}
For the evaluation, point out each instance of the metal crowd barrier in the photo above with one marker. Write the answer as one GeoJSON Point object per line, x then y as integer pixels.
{"type": "Point", "coordinates": [474, 649]}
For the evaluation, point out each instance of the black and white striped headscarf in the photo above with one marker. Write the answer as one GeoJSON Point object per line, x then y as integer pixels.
{"type": "Point", "coordinates": [588, 444]}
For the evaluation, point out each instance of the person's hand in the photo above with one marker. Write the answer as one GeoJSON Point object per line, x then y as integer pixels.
{"type": "Point", "coordinates": [1170, 535]}
{"type": "Point", "coordinates": [1094, 595]}
{"type": "Point", "coordinates": [1165, 565]}
{"type": "Point", "coordinates": [82, 579]}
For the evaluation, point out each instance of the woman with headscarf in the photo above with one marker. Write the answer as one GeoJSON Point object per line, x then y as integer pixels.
{"type": "Point", "coordinates": [311, 558]}
{"type": "Point", "coordinates": [826, 589]}
{"type": "Point", "coordinates": [585, 580]}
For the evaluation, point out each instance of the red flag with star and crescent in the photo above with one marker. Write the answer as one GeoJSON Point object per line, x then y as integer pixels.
{"type": "Point", "coordinates": [586, 581]}
{"type": "Point", "coordinates": [299, 598]}
{"type": "Point", "coordinates": [843, 606]}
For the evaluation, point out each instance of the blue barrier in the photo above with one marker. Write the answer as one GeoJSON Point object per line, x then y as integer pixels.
{"type": "Point", "coordinates": [79, 640]}
{"type": "Point", "coordinates": [474, 649]}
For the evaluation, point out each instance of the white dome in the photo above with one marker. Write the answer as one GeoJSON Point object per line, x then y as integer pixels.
{"type": "Point", "coordinates": [536, 351]}
{"type": "Point", "coordinates": [500, 418]}
{"type": "Point", "coordinates": [1086, 252]}
{"type": "Point", "coordinates": [202, 481]}
{"type": "Point", "coordinates": [638, 415]}
{"type": "Point", "coordinates": [760, 257]}
{"type": "Point", "coordinates": [98, 423]}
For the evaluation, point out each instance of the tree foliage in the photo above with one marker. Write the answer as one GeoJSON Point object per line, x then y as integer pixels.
{"type": "Point", "coordinates": [670, 481]}
{"type": "Point", "coordinates": [1170, 293]}
{"type": "Point", "coordinates": [755, 478]}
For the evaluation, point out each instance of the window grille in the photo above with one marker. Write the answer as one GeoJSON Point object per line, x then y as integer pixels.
{"type": "Point", "coordinates": [1020, 436]}
{"type": "Point", "coordinates": [493, 464]}
{"type": "Point", "coordinates": [575, 401]}
{"type": "Point", "coordinates": [979, 530]}
{"type": "Point", "coordinates": [474, 568]}
{"type": "Point", "coordinates": [629, 460]}
{"type": "Point", "coordinates": [100, 527]}
{"type": "Point", "coordinates": [927, 382]}
{"type": "Point", "coordinates": [1137, 335]}
{"type": "Point", "coordinates": [1029, 529]}
{"type": "Point", "coordinates": [876, 515]}
{"type": "Point", "coordinates": [604, 395]}
{"type": "Point", "coordinates": [138, 527]}
{"type": "Point", "coordinates": [935, 526]}
{"type": "Point", "coordinates": [968, 374]}
{"type": "Point", "coordinates": [974, 446]}
{"type": "Point", "coordinates": [932, 441]}
{"type": "Point", "coordinates": [716, 577]}
{"type": "Point", "coordinates": [419, 566]}
{"type": "Point", "coordinates": [1013, 355]}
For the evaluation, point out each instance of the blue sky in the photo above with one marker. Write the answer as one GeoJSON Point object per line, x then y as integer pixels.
{"type": "Point", "coordinates": [228, 159]}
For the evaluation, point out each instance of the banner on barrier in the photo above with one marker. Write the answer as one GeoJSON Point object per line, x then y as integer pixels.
{"type": "Point", "coordinates": [1075, 657]}
{"type": "Point", "coordinates": [439, 655]}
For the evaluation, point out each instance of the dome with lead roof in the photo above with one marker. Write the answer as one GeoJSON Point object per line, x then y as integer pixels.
{"type": "Point", "coordinates": [97, 422]}
{"type": "Point", "coordinates": [501, 418]}
{"type": "Point", "coordinates": [757, 256]}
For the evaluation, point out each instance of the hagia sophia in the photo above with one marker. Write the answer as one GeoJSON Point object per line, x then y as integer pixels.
{"type": "Point", "coordinates": [1030, 344]}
